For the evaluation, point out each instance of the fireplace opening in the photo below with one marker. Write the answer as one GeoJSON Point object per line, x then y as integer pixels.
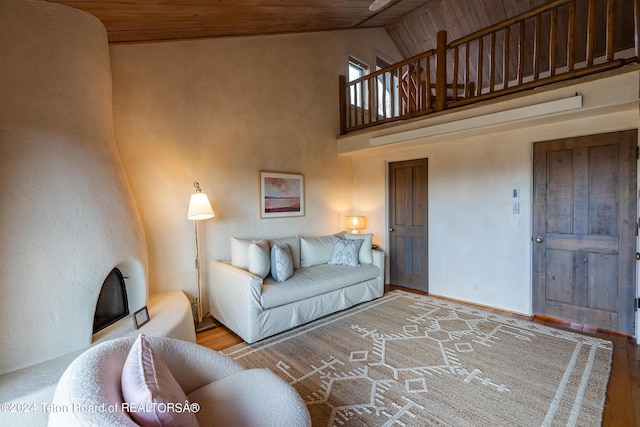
{"type": "Point", "coordinates": [112, 303]}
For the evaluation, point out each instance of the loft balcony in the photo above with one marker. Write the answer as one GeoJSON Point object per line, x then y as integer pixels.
{"type": "Point", "coordinates": [559, 41]}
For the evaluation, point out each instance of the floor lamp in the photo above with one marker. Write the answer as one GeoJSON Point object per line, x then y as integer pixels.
{"type": "Point", "coordinates": [199, 209]}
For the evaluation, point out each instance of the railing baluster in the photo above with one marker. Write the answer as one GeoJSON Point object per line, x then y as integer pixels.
{"type": "Point", "coordinates": [536, 49]}
{"type": "Point", "coordinates": [571, 37]}
{"type": "Point", "coordinates": [454, 82]}
{"type": "Point", "coordinates": [553, 40]}
{"type": "Point", "coordinates": [394, 92]}
{"type": "Point", "coordinates": [404, 92]}
{"type": "Point", "coordinates": [479, 70]}
{"type": "Point", "coordinates": [591, 32]}
{"type": "Point", "coordinates": [361, 103]}
{"type": "Point", "coordinates": [370, 99]}
{"type": "Point", "coordinates": [429, 99]}
{"type": "Point", "coordinates": [492, 63]}
{"type": "Point", "coordinates": [414, 90]}
{"type": "Point", "coordinates": [441, 71]}
{"type": "Point", "coordinates": [418, 86]}
{"type": "Point", "coordinates": [611, 9]}
{"type": "Point", "coordinates": [505, 49]}
{"type": "Point", "coordinates": [521, 52]}
{"type": "Point", "coordinates": [467, 84]}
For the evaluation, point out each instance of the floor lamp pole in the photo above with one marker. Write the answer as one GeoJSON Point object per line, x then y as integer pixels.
{"type": "Point", "coordinates": [199, 293]}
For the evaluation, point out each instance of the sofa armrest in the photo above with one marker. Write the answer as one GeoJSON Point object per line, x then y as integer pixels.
{"type": "Point", "coordinates": [378, 261]}
{"type": "Point", "coordinates": [234, 297]}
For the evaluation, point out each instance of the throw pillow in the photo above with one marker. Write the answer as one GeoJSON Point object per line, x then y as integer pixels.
{"type": "Point", "coordinates": [345, 251]}
{"type": "Point", "coordinates": [315, 250]}
{"type": "Point", "coordinates": [148, 386]}
{"type": "Point", "coordinates": [365, 255]}
{"type": "Point", "coordinates": [259, 262]}
{"type": "Point", "coordinates": [240, 252]}
{"type": "Point", "coordinates": [281, 263]}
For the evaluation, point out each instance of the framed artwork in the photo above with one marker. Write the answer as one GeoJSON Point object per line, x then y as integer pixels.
{"type": "Point", "coordinates": [141, 317]}
{"type": "Point", "coordinates": [281, 195]}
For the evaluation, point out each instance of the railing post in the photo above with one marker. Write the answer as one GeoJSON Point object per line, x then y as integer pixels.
{"type": "Point", "coordinates": [441, 71]}
{"type": "Point", "coordinates": [342, 95]}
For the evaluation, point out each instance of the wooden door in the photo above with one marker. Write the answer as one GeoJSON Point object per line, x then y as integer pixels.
{"type": "Point", "coordinates": [408, 226]}
{"type": "Point", "coordinates": [584, 230]}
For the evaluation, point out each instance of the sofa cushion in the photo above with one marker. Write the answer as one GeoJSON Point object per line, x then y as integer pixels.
{"type": "Point", "coordinates": [308, 282]}
{"type": "Point", "coordinates": [365, 255]}
{"type": "Point", "coordinates": [294, 245]}
{"type": "Point", "coordinates": [149, 386]}
{"type": "Point", "coordinates": [281, 263]}
{"type": "Point", "coordinates": [259, 258]}
{"type": "Point", "coordinates": [345, 251]}
{"type": "Point", "coordinates": [315, 250]}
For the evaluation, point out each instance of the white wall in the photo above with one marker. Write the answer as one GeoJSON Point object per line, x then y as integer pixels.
{"type": "Point", "coordinates": [67, 216]}
{"type": "Point", "coordinates": [474, 239]}
{"type": "Point", "coordinates": [218, 112]}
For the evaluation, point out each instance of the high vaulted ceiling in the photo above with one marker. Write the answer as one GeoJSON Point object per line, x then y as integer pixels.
{"type": "Point", "coordinates": [412, 24]}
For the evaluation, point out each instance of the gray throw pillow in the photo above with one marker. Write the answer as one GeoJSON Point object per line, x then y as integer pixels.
{"type": "Point", "coordinates": [345, 251]}
{"type": "Point", "coordinates": [281, 263]}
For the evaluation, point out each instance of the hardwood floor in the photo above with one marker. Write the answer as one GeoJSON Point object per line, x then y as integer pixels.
{"type": "Point", "coordinates": [622, 404]}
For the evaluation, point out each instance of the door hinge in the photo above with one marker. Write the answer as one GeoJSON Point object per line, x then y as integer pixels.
{"type": "Point", "coordinates": [635, 304]}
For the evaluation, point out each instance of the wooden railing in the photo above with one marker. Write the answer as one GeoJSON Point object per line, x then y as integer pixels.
{"type": "Point", "coordinates": [561, 40]}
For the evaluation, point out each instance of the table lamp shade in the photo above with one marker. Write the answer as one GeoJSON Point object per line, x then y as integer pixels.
{"type": "Point", "coordinates": [356, 223]}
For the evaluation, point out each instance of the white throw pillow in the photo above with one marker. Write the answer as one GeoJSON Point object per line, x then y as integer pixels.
{"type": "Point", "coordinates": [365, 255]}
{"type": "Point", "coordinates": [345, 251]}
{"type": "Point", "coordinates": [259, 260]}
{"type": "Point", "coordinates": [315, 250]}
{"type": "Point", "coordinates": [281, 263]}
{"type": "Point", "coordinates": [240, 252]}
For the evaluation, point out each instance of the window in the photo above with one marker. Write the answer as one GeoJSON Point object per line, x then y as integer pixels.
{"type": "Point", "coordinates": [384, 89]}
{"type": "Point", "coordinates": [357, 69]}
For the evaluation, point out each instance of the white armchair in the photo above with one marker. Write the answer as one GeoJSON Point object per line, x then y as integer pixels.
{"type": "Point", "coordinates": [89, 391]}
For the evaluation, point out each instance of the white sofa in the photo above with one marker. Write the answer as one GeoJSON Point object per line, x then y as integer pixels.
{"type": "Point", "coordinates": [255, 306]}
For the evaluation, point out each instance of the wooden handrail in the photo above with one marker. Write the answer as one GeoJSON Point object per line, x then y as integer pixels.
{"type": "Point", "coordinates": [484, 65]}
{"type": "Point", "coordinates": [509, 22]}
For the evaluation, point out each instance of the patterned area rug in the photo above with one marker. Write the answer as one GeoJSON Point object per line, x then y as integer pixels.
{"type": "Point", "coordinates": [412, 360]}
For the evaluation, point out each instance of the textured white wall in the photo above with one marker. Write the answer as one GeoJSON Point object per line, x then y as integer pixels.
{"type": "Point", "coordinates": [67, 216]}
{"type": "Point", "coordinates": [474, 237]}
{"type": "Point", "coordinates": [220, 111]}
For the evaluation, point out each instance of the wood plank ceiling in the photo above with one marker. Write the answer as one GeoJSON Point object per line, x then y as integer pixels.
{"type": "Point", "coordinates": [411, 24]}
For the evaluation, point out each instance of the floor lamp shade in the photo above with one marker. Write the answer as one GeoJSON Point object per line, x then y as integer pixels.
{"type": "Point", "coordinates": [199, 206]}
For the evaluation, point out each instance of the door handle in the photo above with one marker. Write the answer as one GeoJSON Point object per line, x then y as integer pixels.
{"type": "Point", "coordinates": [539, 239]}
{"type": "Point", "coordinates": [390, 229]}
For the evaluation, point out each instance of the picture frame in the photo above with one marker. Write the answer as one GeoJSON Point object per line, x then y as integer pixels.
{"type": "Point", "coordinates": [281, 194]}
{"type": "Point", "coordinates": [141, 317]}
